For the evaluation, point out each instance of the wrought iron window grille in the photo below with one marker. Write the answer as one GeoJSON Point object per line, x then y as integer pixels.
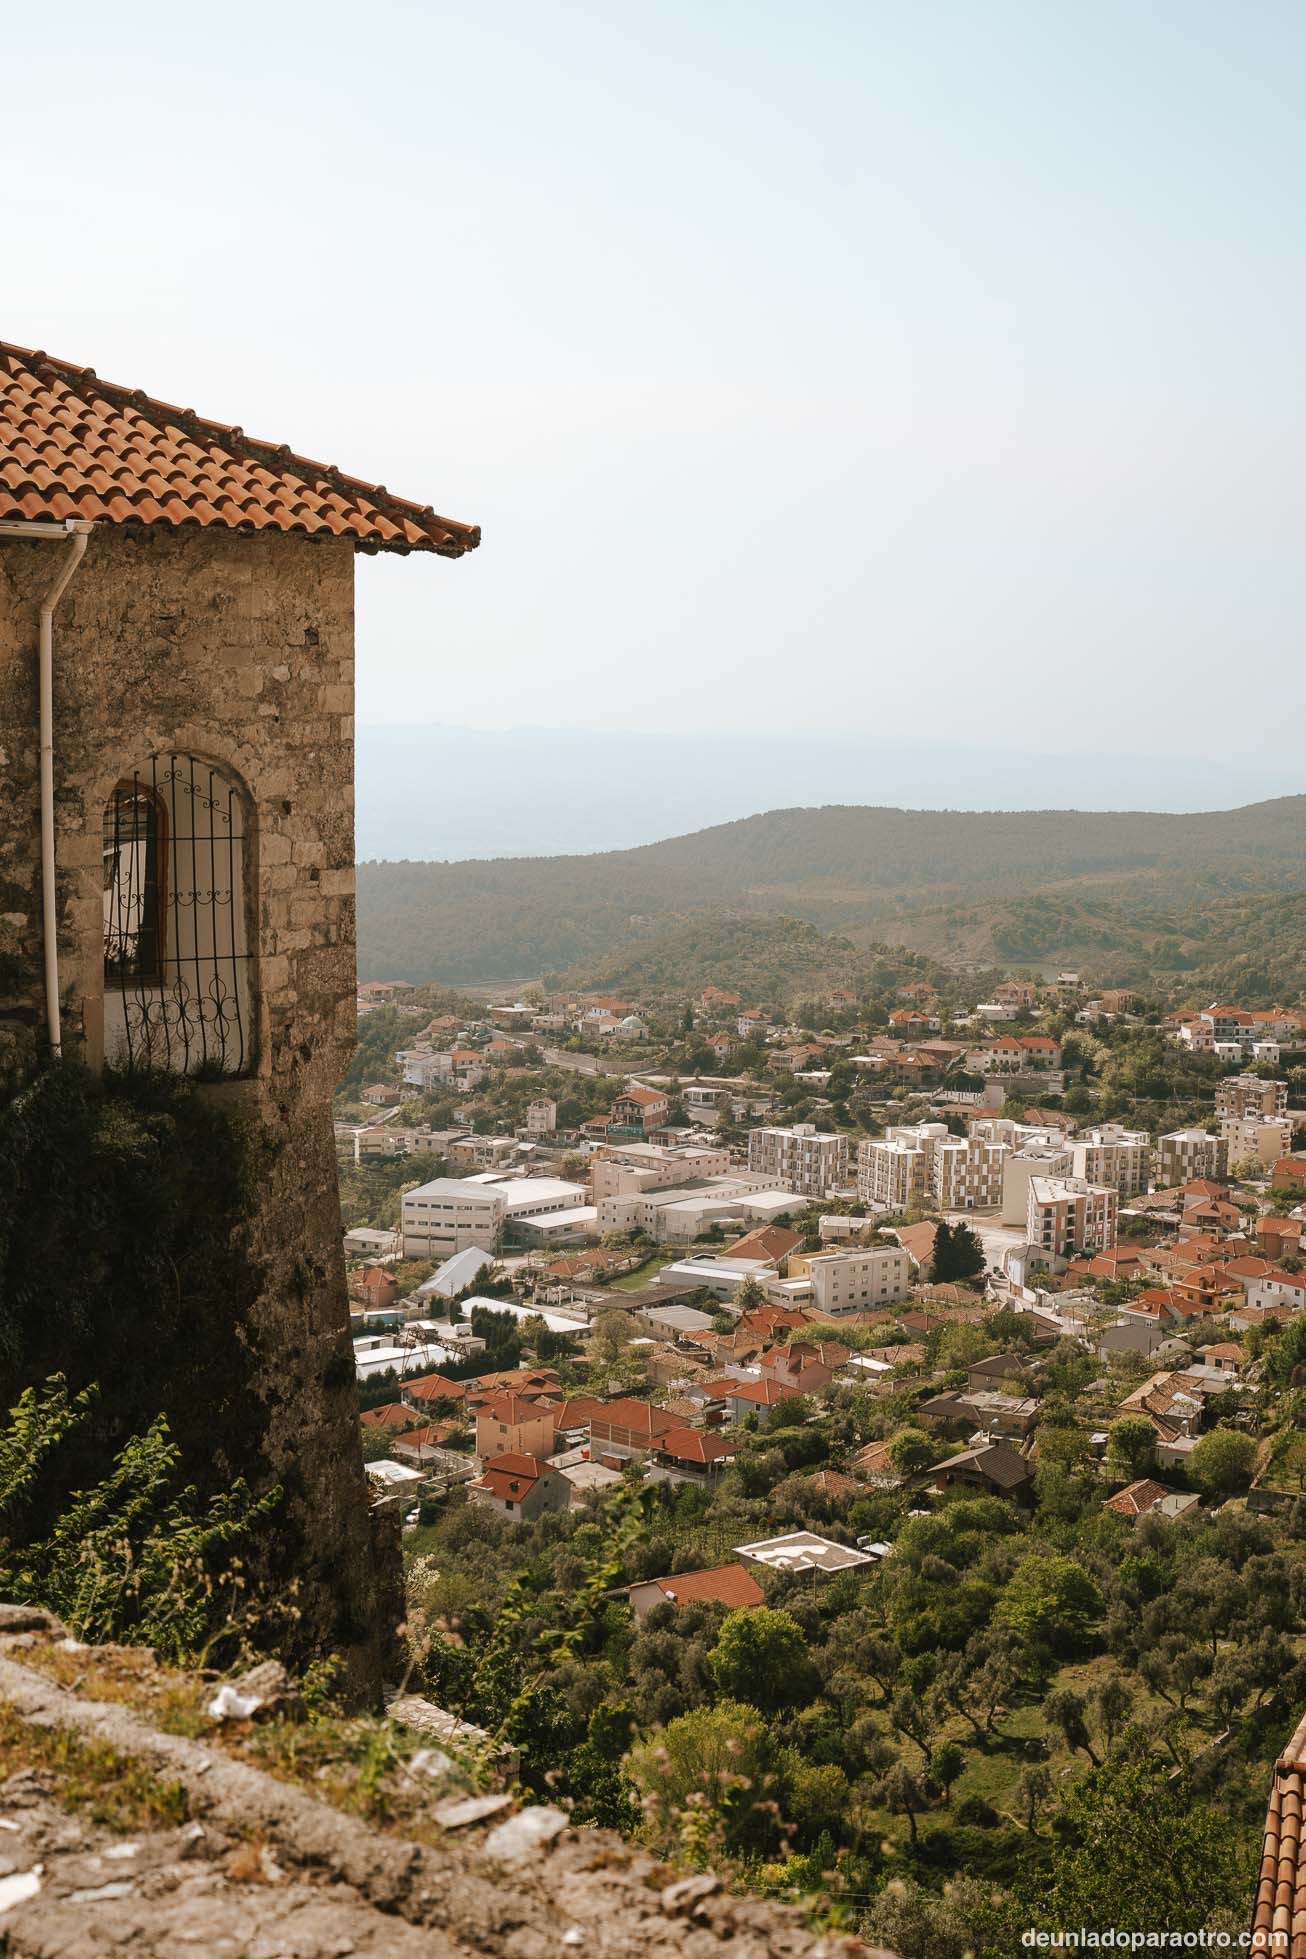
{"type": "Point", "coordinates": [177, 960]}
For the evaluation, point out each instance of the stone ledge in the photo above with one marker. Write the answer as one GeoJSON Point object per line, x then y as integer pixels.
{"type": "Point", "coordinates": [263, 1869]}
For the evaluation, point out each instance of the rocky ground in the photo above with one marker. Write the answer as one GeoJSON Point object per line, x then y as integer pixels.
{"type": "Point", "coordinates": [117, 1836]}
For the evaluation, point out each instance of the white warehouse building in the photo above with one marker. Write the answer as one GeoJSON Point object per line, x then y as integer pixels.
{"type": "Point", "coordinates": [451, 1214]}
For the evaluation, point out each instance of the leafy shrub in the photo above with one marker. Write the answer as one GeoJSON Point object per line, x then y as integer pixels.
{"type": "Point", "coordinates": [139, 1558]}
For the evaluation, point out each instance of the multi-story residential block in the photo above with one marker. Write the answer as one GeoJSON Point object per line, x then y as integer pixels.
{"type": "Point", "coordinates": [1066, 1216]}
{"type": "Point", "coordinates": [966, 1174]}
{"type": "Point", "coordinates": [508, 1424]}
{"type": "Point", "coordinates": [1015, 1054]}
{"type": "Point", "coordinates": [960, 1173]}
{"type": "Point", "coordinates": [1231, 1033]}
{"type": "Point", "coordinates": [624, 1170]}
{"type": "Point", "coordinates": [1114, 1000]}
{"type": "Point", "coordinates": [1188, 1153]}
{"type": "Point", "coordinates": [1111, 1155]}
{"type": "Point", "coordinates": [383, 1139]}
{"type": "Point", "coordinates": [436, 1067]}
{"type": "Point", "coordinates": [643, 1109]}
{"type": "Point", "coordinates": [1032, 1159]}
{"type": "Point", "coordinates": [1230, 1024]}
{"type": "Point", "coordinates": [679, 1213]}
{"type": "Point", "coordinates": [1267, 1138]}
{"type": "Point", "coordinates": [541, 1116]}
{"type": "Point", "coordinates": [810, 1161]}
{"type": "Point", "coordinates": [853, 1281]}
{"type": "Point", "coordinates": [1250, 1095]}
{"type": "Point", "coordinates": [892, 1170]}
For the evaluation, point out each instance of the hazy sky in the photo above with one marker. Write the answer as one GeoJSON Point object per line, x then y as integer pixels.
{"type": "Point", "coordinates": [934, 368]}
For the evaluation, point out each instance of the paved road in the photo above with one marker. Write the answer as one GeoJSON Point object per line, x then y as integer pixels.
{"type": "Point", "coordinates": [996, 1238]}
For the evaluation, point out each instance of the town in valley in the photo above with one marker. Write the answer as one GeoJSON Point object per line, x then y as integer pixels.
{"type": "Point", "coordinates": [923, 1359]}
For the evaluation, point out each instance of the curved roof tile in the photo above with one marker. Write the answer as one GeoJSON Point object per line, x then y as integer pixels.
{"type": "Point", "coordinates": [1279, 1914]}
{"type": "Point", "coordinates": [72, 445]}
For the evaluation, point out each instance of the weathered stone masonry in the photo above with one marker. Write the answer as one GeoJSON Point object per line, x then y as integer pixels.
{"type": "Point", "coordinates": [238, 649]}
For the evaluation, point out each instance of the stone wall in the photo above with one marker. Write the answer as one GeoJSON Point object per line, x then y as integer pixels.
{"type": "Point", "coordinates": [248, 1863]}
{"type": "Point", "coordinates": [238, 650]}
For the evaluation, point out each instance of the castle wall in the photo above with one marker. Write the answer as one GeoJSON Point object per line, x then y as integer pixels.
{"type": "Point", "coordinates": [238, 650]}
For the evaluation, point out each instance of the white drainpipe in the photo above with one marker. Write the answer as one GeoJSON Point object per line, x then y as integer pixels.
{"type": "Point", "coordinates": [75, 532]}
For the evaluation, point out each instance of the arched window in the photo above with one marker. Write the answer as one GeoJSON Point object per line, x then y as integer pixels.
{"type": "Point", "coordinates": [176, 936]}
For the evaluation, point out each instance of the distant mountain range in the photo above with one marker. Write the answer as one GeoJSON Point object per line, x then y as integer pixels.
{"type": "Point", "coordinates": [453, 793]}
{"type": "Point", "coordinates": [1156, 891]}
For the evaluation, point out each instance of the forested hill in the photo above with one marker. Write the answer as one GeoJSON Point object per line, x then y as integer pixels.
{"type": "Point", "coordinates": [883, 871]}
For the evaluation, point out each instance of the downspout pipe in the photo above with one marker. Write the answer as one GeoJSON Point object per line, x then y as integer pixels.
{"type": "Point", "coordinates": [75, 533]}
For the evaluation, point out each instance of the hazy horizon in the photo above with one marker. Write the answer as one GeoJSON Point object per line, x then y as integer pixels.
{"type": "Point", "coordinates": [929, 375]}
{"type": "Point", "coordinates": [537, 792]}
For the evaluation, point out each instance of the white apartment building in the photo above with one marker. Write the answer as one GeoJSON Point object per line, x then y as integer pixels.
{"type": "Point", "coordinates": [541, 1117]}
{"type": "Point", "coordinates": [1002, 1129]}
{"type": "Point", "coordinates": [625, 1170]}
{"type": "Point", "coordinates": [1032, 1159]}
{"type": "Point", "coordinates": [437, 1067]}
{"type": "Point", "coordinates": [382, 1139]}
{"type": "Point", "coordinates": [854, 1281]}
{"type": "Point", "coordinates": [1248, 1095]}
{"type": "Point", "coordinates": [679, 1213]}
{"type": "Point", "coordinates": [1266, 1138]}
{"type": "Point", "coordinates": [925, 1160]}
{"type": "Point", "coordinates": [451, 1214]}
{"type": "Point", "coordinates": [1188, 1153]}
{"type": "Point", "coordinates": [890, 1170]}
{"type": "Point", "coordinates": [966, 1173]}
{"type": "Point", "coordinates": [1111, 1155]}
{"type": "Point", "coordinates": [804, 1158]}
{"type": "Point", "coordinates": [1067, 1216]}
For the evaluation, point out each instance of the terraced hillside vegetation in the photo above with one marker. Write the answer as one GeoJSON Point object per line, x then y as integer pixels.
{"type": "Point", "coordinates": [1160, 892]}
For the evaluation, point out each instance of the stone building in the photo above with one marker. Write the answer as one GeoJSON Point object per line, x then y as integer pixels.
{"type": "Point", "coordinates": [177, 848]}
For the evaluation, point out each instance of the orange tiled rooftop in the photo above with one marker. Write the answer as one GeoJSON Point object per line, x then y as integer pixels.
{"type": "Point", "coordinates": [75, 447]}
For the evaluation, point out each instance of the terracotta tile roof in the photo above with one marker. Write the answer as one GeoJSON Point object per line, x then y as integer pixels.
{"type": "Point", "coordinates": [1281, 1892]}
{"type": "Point", "coordinates": [512, 1409]}
{"type": "Point", "coordinates": [511, 1477]}
{"type": "Point", "coordinates": [429, 1436]}
{"type": "Point", "coordinates": [765, 1321]}
{"type": "Point", "coordinates": [766, 1394]}
{"type": "Point", "coordinates": [1290, 1281]}
{"type": "Point", "coordinates": [728, 1584]}
{"type": "Point", "coordinates": [1280, 1309]}
{"type": "Point", "coordinates": [530, 1381]}
{"type": "Point", "coordinates": [716, 1389]}
{"type": "Point", "coordinates": [833, 1483]}
{"type": "Point", "coordinates": [435, 1387]}
{"type": "Point", "coordinates": [578, 1411]}
{"type": "Point", "coordinates": [917, 1240]}
{"type": "Point", "coordinates": [392, 1414]}
{"type": "Point", "coordinates": [997, 1461]}
{"type": "Point", "coordinates": [905, 1354]}
{"type": "Point", "coordinates": [769, 1241]}
{"type": "Point", "coordinates": [876, 1459]}
{"type": "Point", "coordinates": [694, 1445]}
{"type": "Point", "coordinates": [1137, 1499]}
{"type": "Point", "coordinates": [631, 1416]}
{"type": "Point", "coordinates": [72, 446]}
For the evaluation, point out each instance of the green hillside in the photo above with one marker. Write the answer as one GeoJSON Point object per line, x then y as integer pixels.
{"type": "Point", "coordinates": [768, 961]}
{"type": "Point", "coordinates": [1024, 887]}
